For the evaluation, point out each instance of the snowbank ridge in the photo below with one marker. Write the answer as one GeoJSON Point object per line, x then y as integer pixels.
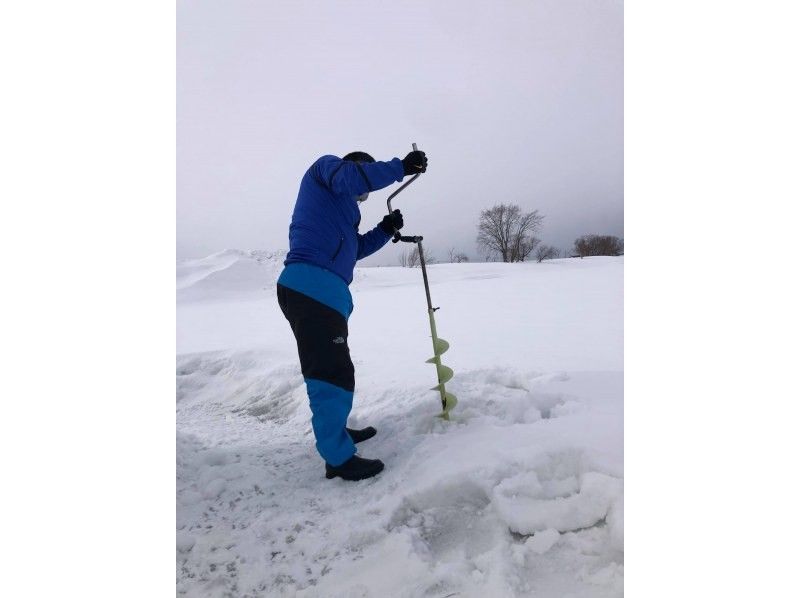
{"type": "Point", "coordinates": [228, 272]}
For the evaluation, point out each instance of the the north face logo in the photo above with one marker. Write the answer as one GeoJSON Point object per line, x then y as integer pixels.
{"type": "Point", "coordinates": [338, 340]}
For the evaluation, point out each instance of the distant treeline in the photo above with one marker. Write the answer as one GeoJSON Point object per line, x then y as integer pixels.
{"type": "Point", "coordinates": [507, 233]}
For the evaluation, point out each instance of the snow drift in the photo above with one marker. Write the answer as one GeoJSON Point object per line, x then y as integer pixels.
{"type": "Point", "coordinates": [519, 494]}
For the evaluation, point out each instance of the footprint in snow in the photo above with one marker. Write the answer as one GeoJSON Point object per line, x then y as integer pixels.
{"type": "Point", "coordinates": [449, 521]}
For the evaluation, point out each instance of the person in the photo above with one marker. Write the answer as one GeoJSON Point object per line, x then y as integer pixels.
{"type": "Point", "coordinates": [313, 293]}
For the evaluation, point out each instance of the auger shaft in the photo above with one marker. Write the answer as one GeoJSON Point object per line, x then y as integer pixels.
{"type": "Point", "coordinates": [443, 373]}
{"type": "Point", "coordinates": [427, 288]}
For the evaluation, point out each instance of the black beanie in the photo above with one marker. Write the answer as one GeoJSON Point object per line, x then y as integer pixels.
{"type": "Point", "coordinates": [358, 157]}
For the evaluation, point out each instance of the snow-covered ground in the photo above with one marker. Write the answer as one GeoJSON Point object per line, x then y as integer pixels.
{"type": "Point", "coordinates": [520, 494]}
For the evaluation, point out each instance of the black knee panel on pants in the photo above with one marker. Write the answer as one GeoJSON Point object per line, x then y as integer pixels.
{"type": "Point", "coordinates": [321, 334]}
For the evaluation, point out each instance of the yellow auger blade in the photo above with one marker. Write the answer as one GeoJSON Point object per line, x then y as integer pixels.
{"type": "Point", "coordinates": [444, 373]}
{"type": "Point", "coordinates": [450, 401]}
{"type": "Point", "coordinates": [440, 346]}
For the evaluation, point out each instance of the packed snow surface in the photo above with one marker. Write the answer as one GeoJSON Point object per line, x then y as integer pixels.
{"type": "Point", "coordinates": [519, 494]}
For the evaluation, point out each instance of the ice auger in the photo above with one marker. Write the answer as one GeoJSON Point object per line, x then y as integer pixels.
{"type": "Point", "coordinates": [443, 373]}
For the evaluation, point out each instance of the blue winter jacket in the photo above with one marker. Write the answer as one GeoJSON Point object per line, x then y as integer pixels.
{"type": "Point", "coordinates": [324, 228]}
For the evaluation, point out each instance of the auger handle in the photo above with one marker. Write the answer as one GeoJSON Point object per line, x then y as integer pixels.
{"type": "Point", "coordinates": [397, 236]}
{"type": "Point", "coordinates": [409, 239]}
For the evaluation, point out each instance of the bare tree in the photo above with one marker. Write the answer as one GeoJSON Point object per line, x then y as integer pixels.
{"type": "Point", "coordinates": [429, 257]}
{"type": "Point", "coordinates": [599, 245]}
{"type": "Point", "coordinates": [524, 249]}
{"type": "Point", "coordinates": [505, 230]}
{"type": "Point", "coordinates": [546, 252]}
{"type": "Point", "coordinates": [413, 257]}
{"type": "Point", "coordinates": [455, 257]}
{"type": "Point", "coordinates": [410, 259]}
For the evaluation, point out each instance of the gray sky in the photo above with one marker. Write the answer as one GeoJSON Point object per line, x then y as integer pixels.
{"type": "Point", "coordinates": [513, 101]}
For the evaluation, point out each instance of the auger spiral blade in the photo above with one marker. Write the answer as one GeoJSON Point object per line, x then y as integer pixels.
{"type": "Point", "coordinates": [450, 401]}
{"type": "Point", "coordinates": [444, 373]}
{"type": "Point", "coordinates": [440, 346]}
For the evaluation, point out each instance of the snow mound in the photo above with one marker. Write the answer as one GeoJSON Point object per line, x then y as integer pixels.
{"type": "Point", "coordinates": [240, 383]}
{"type": "Point", "coordinates": [574, 502]}
{"type": "Point", "coordinates": [231, 272]}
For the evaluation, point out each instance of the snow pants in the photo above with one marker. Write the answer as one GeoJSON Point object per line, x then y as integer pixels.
{"type": "Point", "coordinates": [321, 335]}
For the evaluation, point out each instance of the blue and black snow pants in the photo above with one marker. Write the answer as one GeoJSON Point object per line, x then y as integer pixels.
{"type": "Point", "coordinates": [317, 304]}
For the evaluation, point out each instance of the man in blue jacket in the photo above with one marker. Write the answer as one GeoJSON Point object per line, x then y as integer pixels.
{"type": "Point", "coordinates": [313, 293]}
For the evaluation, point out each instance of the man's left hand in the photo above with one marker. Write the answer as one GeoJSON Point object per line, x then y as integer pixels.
{"type": "Point", "coordinates": [391, 222]}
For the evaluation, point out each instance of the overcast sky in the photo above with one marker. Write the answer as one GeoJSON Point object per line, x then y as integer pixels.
{"type": "Point", "coordinates": [513, 101]}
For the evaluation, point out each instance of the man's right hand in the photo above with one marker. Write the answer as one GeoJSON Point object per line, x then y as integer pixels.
{"type": "Point", "coordinates": [415, 162]}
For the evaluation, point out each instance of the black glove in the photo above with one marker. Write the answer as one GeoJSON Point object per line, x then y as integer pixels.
{"type": "Point", "coordinates": [415, 162]}
{"type": "Point", "coordinates": [391, 222]}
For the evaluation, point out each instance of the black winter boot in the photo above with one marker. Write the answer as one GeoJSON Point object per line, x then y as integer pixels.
{"type": "Point", "coordinates": [361, 435]}
{"type": "Point", "coordinates": [355, 468]}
